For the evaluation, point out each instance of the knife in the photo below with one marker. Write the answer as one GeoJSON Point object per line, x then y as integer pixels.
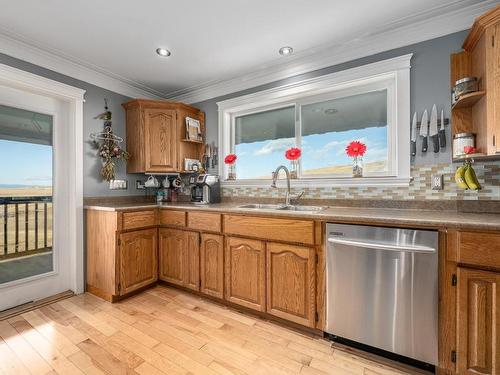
{"type": "Point", "coordinates": [433, 129]}
{"type": "Point", "coordinates": [424, 130]}
{"type": "Point", "coordinates": [442, 132]}
{"type": "Point", "coordinates": [413, 139]}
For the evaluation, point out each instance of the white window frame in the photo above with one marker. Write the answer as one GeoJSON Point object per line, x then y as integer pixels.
{"type": "Point", "coordinates": [392, 74]}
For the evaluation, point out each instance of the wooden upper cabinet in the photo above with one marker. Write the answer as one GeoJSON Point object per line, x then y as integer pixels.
{"type": "Point", "coordinates": [160, 140]}
{"type": "Point", "coordinates": [156, 133]}
{"type": "Point", "coordinates": [138, 259]}
{"type": "Point", "coordinates": [291, 283]}
{"type": "Point", "coordinates": [478, 322]}
{"type": "Point", "coordinates": [479, 113]}
{"type": "Point", "coordinates": [212, 265]}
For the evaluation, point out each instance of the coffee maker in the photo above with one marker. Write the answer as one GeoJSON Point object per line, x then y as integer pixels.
{"type": "Point", "coordinates": [206, 189]}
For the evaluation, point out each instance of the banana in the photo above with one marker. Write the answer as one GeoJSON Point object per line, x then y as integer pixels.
{"type": "Point", "coordinates": [471, 178]}
{"type": "Point", "coordinates": [460, 177]}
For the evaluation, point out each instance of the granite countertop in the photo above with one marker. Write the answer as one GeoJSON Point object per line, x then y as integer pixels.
{"type": "Point", "coordinates": [392, 216]}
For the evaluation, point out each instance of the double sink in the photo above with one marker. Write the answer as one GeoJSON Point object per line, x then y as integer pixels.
{"type": "Point", "coordinates": [282, 207]}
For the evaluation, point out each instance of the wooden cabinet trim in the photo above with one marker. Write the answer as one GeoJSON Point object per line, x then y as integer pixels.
{"type": "Point", "coordinates": [271, 229]}
{"type": "Point", "coordinates": [173, 218]}
{"type": "Point", "coordinates": [137, 219]}
{"type": "Point", "coordinates": [204, 221]}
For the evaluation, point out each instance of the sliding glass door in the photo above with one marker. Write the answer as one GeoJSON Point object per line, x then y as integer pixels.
{"type": "Point", "coordinates": [26, 185]}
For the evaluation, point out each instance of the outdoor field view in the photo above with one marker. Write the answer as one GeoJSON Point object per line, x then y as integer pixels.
{"type": "Point", "coordinates": [25, 194]}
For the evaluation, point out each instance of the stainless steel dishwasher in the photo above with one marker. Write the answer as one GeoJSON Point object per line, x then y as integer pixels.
{"type": "Point", "coordinates": [382, 289]}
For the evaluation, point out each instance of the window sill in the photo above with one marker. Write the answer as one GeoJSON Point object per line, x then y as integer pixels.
{"type": "Point", "coordinates": [324, 182]}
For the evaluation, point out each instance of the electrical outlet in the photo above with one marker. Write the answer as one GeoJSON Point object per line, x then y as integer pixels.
{"type": "Point", "coordinates": [118, 185]}
{"type": "Point", "coordinates": [437, 182]}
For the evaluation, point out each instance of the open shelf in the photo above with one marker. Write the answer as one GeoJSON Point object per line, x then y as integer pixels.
{"type": "Point", "coordinates": [191, 141]}
{"type": "Point", "coordinates": [468, 100]}
{"type": "Point", "coordinates": [478, 156]}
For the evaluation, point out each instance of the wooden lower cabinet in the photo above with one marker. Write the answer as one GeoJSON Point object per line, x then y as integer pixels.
{"type": "Point", "coordinates": [138, 259]}
{"type": "Point", "coordinates": [291, 283]}
{"type": "Point", "coordinates": [245, 272]}
{"type": "Point", "coordinates": [478, 322]}
{"type": "Point", "coordinates": [212, 265]}
{"type": "Point", "coordinates": [179, 257]}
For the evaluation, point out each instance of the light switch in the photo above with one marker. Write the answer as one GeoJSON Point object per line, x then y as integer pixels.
{"type": "Point", "coordinates": [437, 182]}
{"type": "Point", "coordinates": [118, 185]}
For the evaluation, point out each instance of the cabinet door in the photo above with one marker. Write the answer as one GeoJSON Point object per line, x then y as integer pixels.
{"type": "Point", "coordinates": [478, 322]}
{"type": "Point", "coordinates": [172, 245]}
{"type": "Point", "coordinates": [192, 261]}
{"type": "Point", "coordinates": [291, 283]}
{"type": "Point", "coordinates": [496, 95]}
{"type": "Point", "coordinates": [245, 272]}
{"type": "Point", "coordinates": [161, 140]}
{"type": "Point", "coordinates": [212, 265]}
{"type": "Point", "coordinates": [138, 259]}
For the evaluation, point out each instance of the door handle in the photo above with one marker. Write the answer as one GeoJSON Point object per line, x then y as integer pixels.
{"type": "Point", "coordinates": [382, 246]}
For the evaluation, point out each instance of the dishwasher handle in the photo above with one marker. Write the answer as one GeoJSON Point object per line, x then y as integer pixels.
{"type": "Point", "coordinates": [382, 246]}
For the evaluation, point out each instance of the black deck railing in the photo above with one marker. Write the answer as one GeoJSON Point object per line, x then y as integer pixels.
{"type": "Point", "coordinates": [27, 225]}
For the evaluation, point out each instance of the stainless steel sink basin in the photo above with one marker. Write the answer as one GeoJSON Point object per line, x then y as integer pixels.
{"type": "Point", "coordinates": [257, 206]}
{"type": "Point", "coordinates": [282, 207]}
{"type": "Point", "coordinates": [302, 208]}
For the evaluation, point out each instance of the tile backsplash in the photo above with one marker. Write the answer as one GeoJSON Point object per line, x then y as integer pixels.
{"type": "Point", "coordinates": [488, 174]}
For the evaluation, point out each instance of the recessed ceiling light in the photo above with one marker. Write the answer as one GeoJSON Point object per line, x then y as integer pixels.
{"type": "Point", "coordinates": [285, 51]}
{"type": "Point", "coordinates": [163, 52]}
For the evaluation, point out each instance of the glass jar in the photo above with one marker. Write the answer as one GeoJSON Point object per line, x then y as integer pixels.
{"type": "Point", "coordinates": [231, 172]}
{"type": "Point", "coordinates": [357, 166]}
{"type": "Point", "coordinates": [294, 169]}
{"type": "Point", "coordinates": [462, 140]}
{"type": "Point", "coordinates": [465, 86]}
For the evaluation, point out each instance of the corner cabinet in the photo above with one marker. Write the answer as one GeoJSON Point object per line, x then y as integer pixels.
{"type": "Point", "coordinates": [156, 136]}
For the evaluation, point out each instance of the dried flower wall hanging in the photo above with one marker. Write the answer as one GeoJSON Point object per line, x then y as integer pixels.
{"type": "Point", "coordinates": [107, 145]}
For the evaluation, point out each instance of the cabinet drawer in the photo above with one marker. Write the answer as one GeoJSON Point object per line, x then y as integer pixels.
{"type": "Point", "coordinates": [482, 249]}
{"type": "Point", "coordinates": [138, 219]}
{"type": "Point", "coordinates": [204, 221]}
{"type": "Point", "coordinates": [288, 230]}
{"type": "Point", "coordinates": [171, 217]}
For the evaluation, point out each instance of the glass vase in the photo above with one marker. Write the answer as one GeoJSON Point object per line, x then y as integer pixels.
{"type": "Point", "coordinates": [357, 166]}
{"type": "Point", "coordinates": [231, 172]}
{"type": "Point", "coordinates": [294, 169]}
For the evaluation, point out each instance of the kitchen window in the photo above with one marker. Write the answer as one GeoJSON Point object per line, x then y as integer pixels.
{"type": "Point", "coordinates": [321, 116]}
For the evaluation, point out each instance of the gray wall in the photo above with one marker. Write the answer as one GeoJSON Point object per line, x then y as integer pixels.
{"type": "Point", "coordinates": [94, 105]}
{"type": "Point", "coordinates": [430, 84]}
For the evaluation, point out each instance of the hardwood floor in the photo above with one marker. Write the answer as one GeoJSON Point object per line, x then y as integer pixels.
{"type": "Point", "coordinates": [164, 331]}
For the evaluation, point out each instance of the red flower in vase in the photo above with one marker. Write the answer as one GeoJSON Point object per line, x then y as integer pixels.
{"type": "Point", "coordinates": [355, 149]}
{"type": "Point", "coordinates": [293, 153]}
{"type": "Point", "coordinates": [230, 159]}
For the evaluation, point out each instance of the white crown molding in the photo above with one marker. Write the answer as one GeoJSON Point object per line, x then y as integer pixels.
{"type": "Point", "coordinates": [20, 79]}
{"type": "Point", "coordinates": [433, 23]}
{"type": "Point", "coordinates": [424, 26]}
{"type": "Point", "coordinates": [20, 48]}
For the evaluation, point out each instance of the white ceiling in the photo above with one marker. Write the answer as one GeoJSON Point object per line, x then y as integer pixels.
{"type": "Point", "coordinates": [210, 41]}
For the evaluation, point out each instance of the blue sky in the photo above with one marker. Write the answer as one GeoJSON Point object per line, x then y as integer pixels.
{"type": "Point", "coordinates": [24, 163]}
{"type": "Point", "coordinates": [319, 150]}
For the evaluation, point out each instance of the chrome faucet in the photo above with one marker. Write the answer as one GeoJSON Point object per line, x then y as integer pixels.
{"type": "Point", "coordinates": [275, 175]}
